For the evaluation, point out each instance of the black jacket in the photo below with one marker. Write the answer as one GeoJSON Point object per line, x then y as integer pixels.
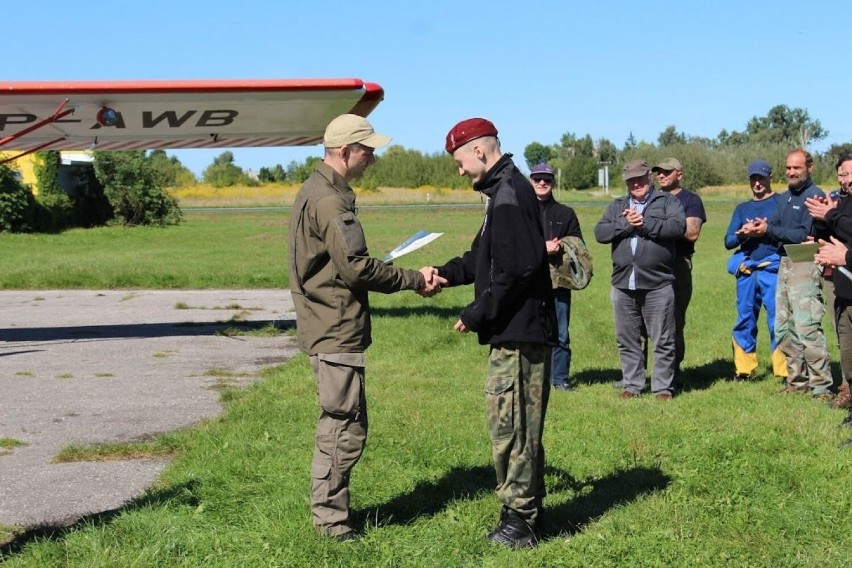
{"type": "Point", "coordinates": [507, 263]}
{"type": "Point", "coordinates": [838, 222]}
{"type": "Point", "coordinates": [558, 220]}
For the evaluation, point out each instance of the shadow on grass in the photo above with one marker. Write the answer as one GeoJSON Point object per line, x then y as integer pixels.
{"type": "Point", "coordinates": [598, 496]}
{"type": "Point", "coordinates": [692, 378]}
{"type": "Point", "coordinates": [595, 497]}
{"type": "Point", "coordinates": [181, 494]}
{"type": "Point", "coordinates": [134, 331]}
{"type": "Point", "coordinates": [399, 312]}
{"type": "Point", "coordinates": [705, 376]}
{"type": "Point", "coordinates": [431, 497]}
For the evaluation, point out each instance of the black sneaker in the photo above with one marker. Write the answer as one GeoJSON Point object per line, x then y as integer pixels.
{"type": "Point", "coordinates": [848, 422]}
{"type": "Point", "coordinates": [513, 532]}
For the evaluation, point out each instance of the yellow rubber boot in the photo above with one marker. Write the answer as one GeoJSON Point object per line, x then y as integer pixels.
{"type": "Point", "coordinates": [779, 363]}
{"type": "Point", "coordinates": [744, 363]}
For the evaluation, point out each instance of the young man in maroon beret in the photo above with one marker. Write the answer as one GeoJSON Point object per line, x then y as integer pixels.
{"type": "Point", "coordinates": [513, 313]}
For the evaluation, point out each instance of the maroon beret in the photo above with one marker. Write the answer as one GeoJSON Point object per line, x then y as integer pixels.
{"type": "Point", "coordinates": [468, 130]}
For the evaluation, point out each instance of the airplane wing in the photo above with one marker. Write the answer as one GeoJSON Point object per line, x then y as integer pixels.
{"type": "Point", "coordinates": [135, 115]}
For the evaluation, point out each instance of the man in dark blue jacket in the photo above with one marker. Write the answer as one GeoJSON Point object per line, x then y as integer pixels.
{"type": "Point", "coordinates": [798, 306]}
{"type": "Point", "coordinates": [642, 229]}
{"type": "Point", "coordinates": [513, 312]}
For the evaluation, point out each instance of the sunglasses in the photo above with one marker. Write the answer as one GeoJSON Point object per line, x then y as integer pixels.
{"type": "Point", "coordinates": [544, 179]}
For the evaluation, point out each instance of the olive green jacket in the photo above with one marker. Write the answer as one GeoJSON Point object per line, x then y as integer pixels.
{"type": "Point", "coordinates": [331, 270]}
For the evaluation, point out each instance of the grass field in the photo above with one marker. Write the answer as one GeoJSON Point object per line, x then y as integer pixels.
{"type": "Point", "coordinates": [727, 474]}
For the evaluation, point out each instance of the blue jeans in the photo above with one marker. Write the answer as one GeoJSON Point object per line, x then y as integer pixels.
{"type": "Point", "coordinates": [561, 363]}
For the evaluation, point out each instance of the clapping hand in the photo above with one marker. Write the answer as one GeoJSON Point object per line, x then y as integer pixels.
{"type": "Point", "coordinates": [831, 253]}
{"type": "Point", "coordinates": [818, 207]}
{"type": "Point", "coordinates": [634, 218]}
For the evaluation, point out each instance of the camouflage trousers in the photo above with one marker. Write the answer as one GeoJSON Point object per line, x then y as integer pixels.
{"type": "Point", "coordinates": [517, 388]}
{"type": "Point", "coordinates": [798, 326]}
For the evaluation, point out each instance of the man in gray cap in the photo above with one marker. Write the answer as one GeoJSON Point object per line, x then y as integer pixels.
{"type": "Point", "coordinates": [642, 229]}
{"type": "Point", "coordinates": [669, 174]}
{"type": "Point", "coordinates": [331, 273]}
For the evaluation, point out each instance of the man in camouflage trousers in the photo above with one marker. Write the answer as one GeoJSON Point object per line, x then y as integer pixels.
{"type": "Point", "coordinates": [798, 306]}
{"type": "Point", "coordinates": [512, 312]}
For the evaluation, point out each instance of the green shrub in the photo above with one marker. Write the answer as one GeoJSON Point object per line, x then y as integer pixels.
{"type": "Point", "coordinates": [17, 204]}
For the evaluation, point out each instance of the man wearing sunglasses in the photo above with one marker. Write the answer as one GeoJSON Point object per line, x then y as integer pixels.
{"type": "Point", "coordinates": [669, 174]}
{"type": "Point", "coordinates": [558, 221]}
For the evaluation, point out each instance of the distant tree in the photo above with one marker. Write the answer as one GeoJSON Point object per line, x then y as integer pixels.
{"type": "Point", "coordinates": [134, 189]}
{"type": "Point", "coordinates": [570, 146]}
{"type": "Point", "coordinates": [607, 152]}
{"type": "Point", "coordinates": [223, 172]}
{"type": "Point", "coordinates": [264, 175]}
{"type": "Point", "coordinates": [836, 150]}
{"type": "Point", "coordinates": [298, 172]}
{"type": "Point", "coordinates": [171, 171]}
{"type": "Point", "coordinates": [279, 174]}
{"type": "Point", "coordinates": [787, 126]}
{"type": "Point", "coordinates": [581, 173]}
{"type": "Point", "coordinates": [630, 143]}
{"type": "Point", "coordinates": [670, 136]}
{"type": "Point", "coordinates": [734, 138]}
{"type": "Point", "coordinates": [536, 153]}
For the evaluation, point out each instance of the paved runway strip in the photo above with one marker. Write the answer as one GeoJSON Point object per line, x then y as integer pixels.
{"type": "Point", "coordinates": [87, 366]}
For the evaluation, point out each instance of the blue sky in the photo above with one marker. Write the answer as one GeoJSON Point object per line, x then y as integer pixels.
{"type": "Point", "coordinates": [536, 69]}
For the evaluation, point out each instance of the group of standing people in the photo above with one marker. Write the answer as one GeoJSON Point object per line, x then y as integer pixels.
{"type": "Point", "coordinates": [522, 298]}
{"type": "Point", "coordinates": [777, 265]}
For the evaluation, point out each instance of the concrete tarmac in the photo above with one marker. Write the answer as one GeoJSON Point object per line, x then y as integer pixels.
{"type": "Point", "coordinates": [88, 366]}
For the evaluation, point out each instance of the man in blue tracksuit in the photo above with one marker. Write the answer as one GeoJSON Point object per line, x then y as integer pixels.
{"type": "Point", "coordinates": [755, 265]}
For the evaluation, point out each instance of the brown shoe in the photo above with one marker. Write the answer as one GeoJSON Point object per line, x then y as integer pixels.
{"type": "Point", "coordinates": [825, 397]}
{"type": "Point", "coordinates": [627, 394]}
{"type": "Point", "coordinates": [843, 398]}
{"type": "Point", "coordinates": [664, 396]}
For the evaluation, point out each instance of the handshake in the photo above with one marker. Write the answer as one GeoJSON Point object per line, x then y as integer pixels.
{"type": "Point", "coordinates": [433, 281]}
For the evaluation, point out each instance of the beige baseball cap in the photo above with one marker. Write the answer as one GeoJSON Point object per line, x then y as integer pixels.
{"type": "Point", "coordinates": [668, 165]}
{"type": "Point", "coordinates": [353, 129]}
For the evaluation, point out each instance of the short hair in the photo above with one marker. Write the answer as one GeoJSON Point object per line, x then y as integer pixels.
{"type": "Point", "coordinates": [809, 160]}
{"type": "Point", "coordinates": [845, 157]}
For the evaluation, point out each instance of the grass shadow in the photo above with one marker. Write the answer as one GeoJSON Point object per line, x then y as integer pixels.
{"type": "Point", "coordinates": [183, 494]}
{"type": "Point", "coordinates": [134, 331]}
{"type": "Point", "coordinates": [598, 496]}
{"type": "Point", "coordinates": [408, 311]}
{"type": "Point", "coordinates": [706, 375]}
{"type": "Point", "coordinates": [597, 376]}
{"type": "Point", "coordinates": [430, 497]}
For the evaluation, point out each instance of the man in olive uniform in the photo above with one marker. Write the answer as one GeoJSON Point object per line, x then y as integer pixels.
{"type": "Point", "coordinates": [331, 273]}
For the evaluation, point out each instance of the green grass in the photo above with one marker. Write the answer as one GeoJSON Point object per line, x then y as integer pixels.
{"type": "Point", "coordinates": [10, 443]}
{"type": "Point", "coordinates": [728, 474]}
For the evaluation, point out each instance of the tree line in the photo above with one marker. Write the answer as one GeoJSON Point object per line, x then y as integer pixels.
{"type": "Point", "coordinates": [578, 159]}
{"type": "Point", "coordinates": [131, 187]}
